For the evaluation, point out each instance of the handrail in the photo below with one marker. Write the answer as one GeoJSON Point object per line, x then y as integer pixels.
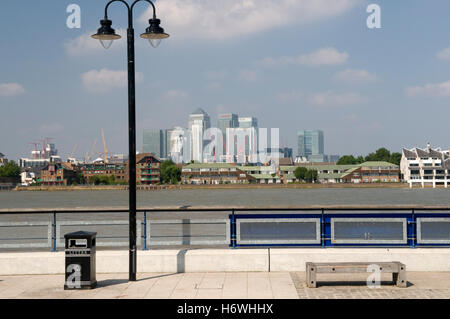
{"type": "Point", "coordinates": [63, 210]}
{"type": "Point", "coordinates": [324, 217]}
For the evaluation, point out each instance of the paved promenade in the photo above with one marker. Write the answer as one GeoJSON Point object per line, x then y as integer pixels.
{"type": "Point", "coordinates": [231, 285]}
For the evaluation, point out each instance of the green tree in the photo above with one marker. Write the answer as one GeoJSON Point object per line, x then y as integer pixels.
{"type": "Point", "coordinates": [360, 159]}
{"type": "Point", "coordinates": [348, 160]}
{"type": "Point", "coordinates": [380, 155]}
{"type": "Point", "coordinates": [10, 169]}
{"type": "Point", "coordinates": [169, 172]}
{"type": "Point", "coordinates": [300, 173]}
{"type": "Point", "coordinates": [311, 175]}
{"type": "Point", "coordinates": [395, 158]}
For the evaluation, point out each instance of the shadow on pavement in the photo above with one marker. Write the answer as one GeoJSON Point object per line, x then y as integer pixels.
{"type": "Point", "coordinates": [111, 282]}
{"type": "Point", "coordinates": [357, 283]}
{"type": "Point", "coordinates": [154, 277]}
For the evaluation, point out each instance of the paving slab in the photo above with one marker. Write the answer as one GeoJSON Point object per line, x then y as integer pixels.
{"type": "Point", "coordinates": [234, 285]}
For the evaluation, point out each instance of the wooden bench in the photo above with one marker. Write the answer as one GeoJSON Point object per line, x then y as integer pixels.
{"type": "Point", "coordinates": [397, 269]}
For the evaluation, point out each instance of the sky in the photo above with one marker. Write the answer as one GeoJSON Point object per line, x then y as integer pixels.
{"type": "Point", "coordinates": [292, 64]}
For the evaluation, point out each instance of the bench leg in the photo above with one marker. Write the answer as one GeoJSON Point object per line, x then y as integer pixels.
{"type": "Point", "coordinates": [311, 276]}
{"type": "Point", "coordinates": [400, 278]}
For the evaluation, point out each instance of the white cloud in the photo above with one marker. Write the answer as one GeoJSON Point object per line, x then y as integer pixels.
{"type": "Point", "coordinates": [324, 56]}
{"type": "Point", "coordinates": [11, 89]}
{"type": "Point", "coordinates": [84, 45]}
{"type": "Point", "coordinates": [175, 96]}
{"type": "Point", "coordinates": [354, 76]}
{"type": "Point", "coordinates": [248, 75]}
{"type": "Point", "coordinates": [101, 81]}
{"type": "Point", "coordinates": [431, 89]}
{"type": "Point", "coordinates": [218, 19]}
{"type": "Point", "coordinates": [444, 54]}
{"type": "Point", "coordinates": [332, 99]}
{"type": "Point", "coordinates": [322, 99]}
{"type": "Point", "coordinates": [292, 96]}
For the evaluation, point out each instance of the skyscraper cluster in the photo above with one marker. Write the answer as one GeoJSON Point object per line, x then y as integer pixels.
{"type": "Point", "coordinates": [234, 139]}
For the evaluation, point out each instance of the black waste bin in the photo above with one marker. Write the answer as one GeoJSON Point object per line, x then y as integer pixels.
{"type": "Point", "coordinates": [80, 260]}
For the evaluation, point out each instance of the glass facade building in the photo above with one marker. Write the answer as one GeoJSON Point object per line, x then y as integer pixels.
{"type": "Point", "coordinates": [156, 142]}
{"type": "Point", "coordinates": [310, 142]}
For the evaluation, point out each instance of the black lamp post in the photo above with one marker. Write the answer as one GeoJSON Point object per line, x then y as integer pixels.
{"type": "Point", "coordinates": [106, 34]}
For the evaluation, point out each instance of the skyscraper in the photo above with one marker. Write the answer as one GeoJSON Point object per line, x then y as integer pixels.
{"type": "Point", "coordinates": [199, 122]}
{"type": "Point", "coordinates": [224, 122]}
{"type": "Point", "coordinates": [156, 142]}
{"type": "Point", "coordinates": [310, 142]}
{"type": "Point", "coordinates": [247, 126]}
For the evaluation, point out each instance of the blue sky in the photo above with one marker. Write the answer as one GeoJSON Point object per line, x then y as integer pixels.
{"type": "Point", "coordinates": [293, 64]}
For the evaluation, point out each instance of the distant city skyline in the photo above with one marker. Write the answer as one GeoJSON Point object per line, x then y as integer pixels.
{"type": "Point", "coordinates": [304, 64]}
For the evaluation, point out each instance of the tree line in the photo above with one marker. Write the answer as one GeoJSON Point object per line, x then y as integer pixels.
{"type": "Point", "coordinates": [380, 155]}
{"type": "Point", "coordinates": [10, 169]}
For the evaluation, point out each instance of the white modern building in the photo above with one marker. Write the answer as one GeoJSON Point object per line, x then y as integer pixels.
{"type": "Point", "coordinates": [426, 167]}
{"type": "Point", "coordinates": [199, 122]}
{"type": "Point", "coordinates": [179, 145]}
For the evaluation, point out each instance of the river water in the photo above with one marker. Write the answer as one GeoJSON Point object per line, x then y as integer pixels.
{"type": "Point", "coordinates": [227, 197]}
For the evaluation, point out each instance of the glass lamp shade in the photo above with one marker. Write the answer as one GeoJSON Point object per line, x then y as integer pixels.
{"type": "Point", "coordinates": [154, 33]}
{"type": "Point", "coordinates": [106, 34]}
{"type": "Point", "coordinates": [106, 43]}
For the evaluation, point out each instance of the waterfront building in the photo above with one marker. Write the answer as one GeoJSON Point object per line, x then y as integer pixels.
{"type": "Point", "coordinates": [310, 142]}
{"type": "Point", "coordinates": [425, 167]}
{"type": "Point", "coordinates": [58, 174]}
{"type": "Point", "coordinates": [368, 172]}
{"type": "Point", "coordinates": [147, 169]}
{"type": "Point", "coordinates": [199, 122]}
{"type": "Point", "coordinates": [264, 174]}
{"type": "Point", "coordinates": [90, 170]}
{"type": "Point", "coordinates": [214, 173]}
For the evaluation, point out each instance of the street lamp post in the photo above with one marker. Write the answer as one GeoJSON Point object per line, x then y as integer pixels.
{"type": "Point", "coordinates": [106, 34]}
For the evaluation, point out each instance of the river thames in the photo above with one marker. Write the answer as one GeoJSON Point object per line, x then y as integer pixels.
{"type": "Point", "coordinates": [226, 197]}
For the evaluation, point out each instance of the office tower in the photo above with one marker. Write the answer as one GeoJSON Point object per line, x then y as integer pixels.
{"type": "Point", "coordinates": [155, 142]}
{"type": "Point", "coordinates": [248, 126]}
{"type": "Point", "coordinates": [224, 122]}
{"type": "Point", "coordinates": [310, 142]}
{"type": "Point", "coordinates": [178, 145]}
{"type": "Point", "coordinates": [199, 122]}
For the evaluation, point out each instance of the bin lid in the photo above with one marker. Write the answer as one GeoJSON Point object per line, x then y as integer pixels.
{"type": "Point", "coordinates": [80, 234]}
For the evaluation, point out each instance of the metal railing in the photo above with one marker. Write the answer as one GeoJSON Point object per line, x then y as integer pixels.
{"type": "Point", "coordinates": [239, 227]}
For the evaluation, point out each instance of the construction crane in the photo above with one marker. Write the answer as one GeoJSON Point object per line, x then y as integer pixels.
{"type": "Point", "coordinates": [104, 147]}
{"type": "Point", "coordinates": [89, 155]}
{"type": "Point", "coordinates": [73, 150]}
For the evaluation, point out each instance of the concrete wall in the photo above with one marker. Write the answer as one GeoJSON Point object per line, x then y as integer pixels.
{"type": "Point", "coordinates": [227, 260]}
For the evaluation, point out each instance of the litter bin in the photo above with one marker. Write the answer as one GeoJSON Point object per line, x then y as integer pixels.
{"type": "Point", "coordinates": [80, 260]}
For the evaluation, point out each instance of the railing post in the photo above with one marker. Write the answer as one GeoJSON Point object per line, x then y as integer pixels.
{"type": "Point", "coordinates": [54, 233]}
{"type": "Point", "coordinates": [145, 230]}
{"type": "Point", "coordinates": [322, 229]}
{"type": "Point", "coordinates": [414, 229]}
{"type": "Point", "coordinates": [233, 229]}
